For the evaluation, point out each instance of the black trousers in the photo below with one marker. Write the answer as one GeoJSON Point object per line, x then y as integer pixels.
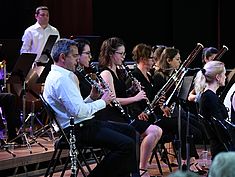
{"type": "Point", "coordinates": [119, 139]}
{"type": "Point", "coordinates": [170, 129]}
{"type": "Point", "coordinates": [11, 113]}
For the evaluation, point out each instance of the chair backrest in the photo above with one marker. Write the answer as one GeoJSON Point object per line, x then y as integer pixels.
{"type": "Point", "coordinates": [222, 133]}
{"type": "Point", "coordinates": [206, 125]}
{"type": "Point", "coordinates": [216, 127]}
{"type": "Point", "coordinates": [51, 114]}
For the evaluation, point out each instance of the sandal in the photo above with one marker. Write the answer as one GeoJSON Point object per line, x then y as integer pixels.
{"type": "Point", "coordinates": [143, 171]}
{"type": "Point", "coordinates": [198, 169]}
{"type": "Point", "coordinates": [193, 168]}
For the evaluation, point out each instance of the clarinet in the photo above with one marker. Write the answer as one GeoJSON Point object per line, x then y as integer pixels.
{"type": "Point", "coordinates": [101, 90]}
{"type": "Point", "coordinates": [149, 109]}
{"type": "Point", "coordinates": [73, 150]}
{"type": "Point", "coordinates": [88, 78]}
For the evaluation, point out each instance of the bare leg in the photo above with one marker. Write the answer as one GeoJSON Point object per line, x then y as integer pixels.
{"type": "Point", "coordinates": [150, 138]}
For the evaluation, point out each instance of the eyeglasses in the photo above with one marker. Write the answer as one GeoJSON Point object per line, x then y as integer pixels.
{"type": "Point", "coordinates": [121, 53]}
{"type": "Point", "coordinates": [88, 53]}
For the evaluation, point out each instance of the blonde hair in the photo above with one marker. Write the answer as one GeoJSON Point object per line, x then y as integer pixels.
{"type": "Point", "coordinates": [207, 75]}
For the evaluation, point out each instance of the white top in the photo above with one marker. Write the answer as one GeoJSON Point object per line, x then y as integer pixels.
{"type": "Point", "coordinates": [227, 99]}
{"type": "Point", "coordinates": [34, 40]}
{"type": "Point", "coordinates": [62, 92]}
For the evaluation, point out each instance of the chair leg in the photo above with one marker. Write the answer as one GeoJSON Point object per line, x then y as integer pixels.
{"type": "Point", "coordinates": [55, 161]}
{"type": "Point", "coordinates": [165, 154]}
{"type": "Point", "coordinates": [51, 162]}
{"type": "Point", "coordinates": [84, 160]}
{"type": "Point", "coordinates": [154, 154]}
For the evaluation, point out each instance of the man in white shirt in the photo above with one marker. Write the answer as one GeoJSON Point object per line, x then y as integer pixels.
{"type": "Point", "coordinates": [35, 36]}
{"type": "Point", "coordinates": [62, 92]}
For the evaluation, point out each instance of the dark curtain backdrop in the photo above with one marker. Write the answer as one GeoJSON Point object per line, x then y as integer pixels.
{"type": "Point", "coordinates": [173, 23]}
{"type": "Point", "coordinates": [71, 17]}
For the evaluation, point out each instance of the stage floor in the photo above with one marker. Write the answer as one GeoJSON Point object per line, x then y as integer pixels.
{"type": "Point", "coordinates": [35, 163]}
{"type": "Point", "coordinates": [153, 168]}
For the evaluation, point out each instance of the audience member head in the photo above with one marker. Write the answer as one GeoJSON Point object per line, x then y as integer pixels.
{"type": "Point", "coordinates": [223, 165]}
{"type": "Point", "coordinates": [183, 174]}
{"type": "Point", "coordinates": [208, 54]}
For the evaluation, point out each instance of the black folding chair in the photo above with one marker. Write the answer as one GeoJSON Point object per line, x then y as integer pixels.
{"type": "Point", "coordinates": [63, 143]}
{"type": "Point", "coordinates": [222, 133]}
{"type": "Point", "coordinates": [218, 128]}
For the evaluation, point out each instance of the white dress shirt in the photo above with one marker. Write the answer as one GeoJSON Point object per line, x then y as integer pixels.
{"type": "Point", "coordinates": [227, 99]}
{"type": "Point", "coordinates": [62, 92]}
{"type": "Point", "coordinates": [34, 40]}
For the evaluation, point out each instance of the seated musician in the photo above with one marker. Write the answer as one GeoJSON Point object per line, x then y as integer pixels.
{"type": "Point", "coordinates": [169, 62]}
{"type": "Point", "coordinates": [112, 54]}
{"type": "Point", "coordinates": [62, 92]}
{"type": "Point", "coordinates": [209, 79]}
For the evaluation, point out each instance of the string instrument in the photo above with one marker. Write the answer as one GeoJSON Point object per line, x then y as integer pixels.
{"type": "Point", "coordinates": [102, 88]}
{"type": "Point", "coordinates": [148, 110]}
{"type": "Point", "coordinates": [176, 77]}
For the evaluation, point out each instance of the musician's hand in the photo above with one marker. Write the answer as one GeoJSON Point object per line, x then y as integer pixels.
{"type": "Point", "coordinates": [161, 100]}
{"type": "Point", "coordinates": [166, 111]}
{"type": "Point", "coordinates": [140, 96]}
{"type": "Point", "coordinates": [94, 94]}
{"type": "Point", "coordinates": [136, 86]}
{"type": "Point", "coordinates": [143, 116]}
{"type": "Point", "coordinates": [107, 97]}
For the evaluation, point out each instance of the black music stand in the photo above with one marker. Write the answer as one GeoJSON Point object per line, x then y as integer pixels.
{"type": "Point", "coordinates": [20, 75]}
{"type": "Point", "coordinates": [183, 97]}
{"type": "Point", "coordinates": [47, 48]}
{"type": "Point", "coordinates": [45, 71]}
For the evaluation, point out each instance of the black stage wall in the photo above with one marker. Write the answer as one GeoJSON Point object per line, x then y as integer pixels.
{"type": "Point", "coordinates": [173, 23]}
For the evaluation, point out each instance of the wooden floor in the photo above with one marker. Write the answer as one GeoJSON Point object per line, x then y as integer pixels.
{"type": "Point", "coordinates": [33, 161]}
{"type": "Point", "coordinates": [153, 169]}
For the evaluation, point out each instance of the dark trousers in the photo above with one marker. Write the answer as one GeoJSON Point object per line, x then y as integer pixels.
{"type": "Point", "coordinates": [10, 112]}
{"type": "Point", "coordinates": [119, 139]}
{"type": "Point", "coordinates": [170, 129]}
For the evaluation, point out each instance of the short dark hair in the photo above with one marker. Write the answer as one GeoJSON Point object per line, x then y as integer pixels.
{"type": "Point", "coordinates": [81, 42]}
{"type": "Point", "coordinates": [62, 46]}
{"type": "Point", "coordinates": [207, 52]}
{"type": "Point", "coordinates": [41, 8]}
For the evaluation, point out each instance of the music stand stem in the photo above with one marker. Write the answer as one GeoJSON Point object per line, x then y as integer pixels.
{"type": "Point", "coordinates": [24, 105]}
{"type": "Point", "coordinates": [188, 140]}
{"type": "Point", "coordinates": [179, 140]}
